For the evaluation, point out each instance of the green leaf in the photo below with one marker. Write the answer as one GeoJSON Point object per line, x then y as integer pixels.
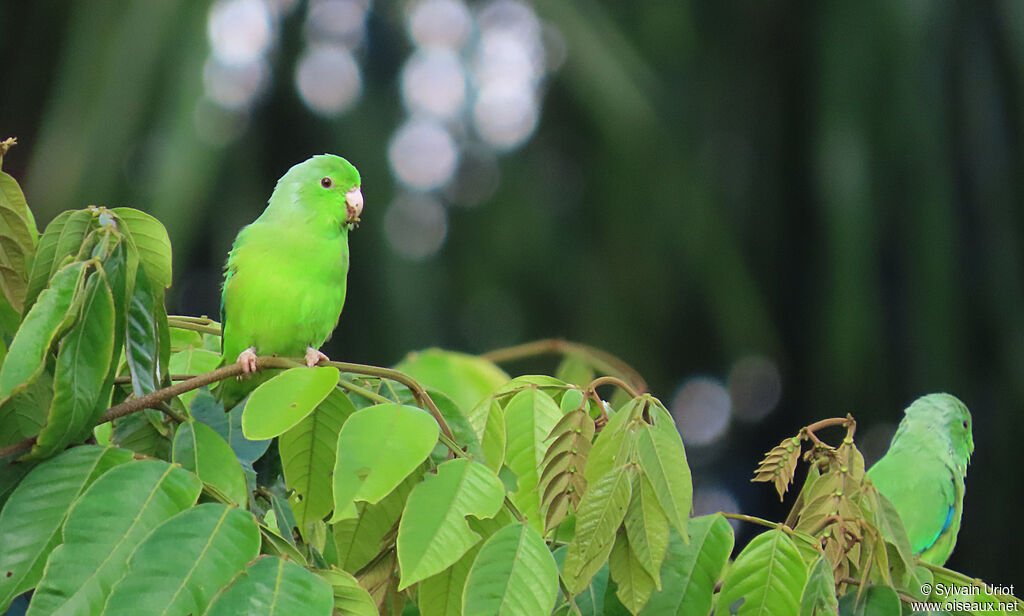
{"type": "Point", "coordinates": [466, 379]}
{"type": "Point", "coordinates": [350, 599]}
{"type": "Point", "coordinates": [875, 601]}
{"type": "Point", "coordinates": [591, 601]}
{"type": "Point", "coordinates": [691, 570]}
{"type": "Point", "coordinates": [433, 533]}
{"type": "Point", "coordinates": [377, 448]}
{"type": "Point", "coordinates": [281, 402]}
{"type": "Point", "coordinates": [150, 239]}
{"type": "Point", "coordinates": [819, 596]}
{"type": "Point", "coordinates": [613, 446]}
{"type": "Point", "coordinates": [663, 460]}
{"type": "Point", "coordinates": [137, 433]}
{"type": "Point", "coordinates": [17, 241]}
{"type": "Point", "coordinates": [441, 594]}
{"type": "Point", "coordinates": [228, 425]}
{"type": "Point", "coordinates": [103, 528]}
{"type": "Point", "coordinates": [646, 528]}
{"type": "Point", "coordinates": [633, 584]}
{"type": "Point", "coordinates": [493, 442]}
{"type": "Point", "coordinates": [308, 458]}
{"type": "Point", "coordinates": [357, 540]}
{"type": "Point", "coordinates": [31, 520]}
{"type": "Point", "coordinates": [180, 566]}
{"type": "Point", "coordinates": [23, 414]}
{"type": "Point", "coordinates": [61, 239]}
{"type": "Point", "coordinates": [454, 417]}
{"type": "Point", "coordinates": [601, 512]}
{"type": "Point", "coordinates": [201, 450]}
{"type": "Point", "coordinates": [142, 344]}
{"type": "Point", "coordinates": [766, 579]}
{"type": "Point", "coordinates": [575, 369]}
{"type": "Point", "coordinates": [529, 418]}
{"type": "Point", "coordinates": [273, 586]}
{"type": "Point", "coordinates": [192, 361]}
{"type": "Point", "coordinates": [514, 574]}
{"type": "Point", "coordinates": [562, 478]}
{"type": "Point", "coordinates": [82, 366]}
{"type": "Point", "coordinates": [50, 316]}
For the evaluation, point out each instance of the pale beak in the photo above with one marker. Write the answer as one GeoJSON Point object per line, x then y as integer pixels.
{"type": "Point", "coordinates": [353, 205]}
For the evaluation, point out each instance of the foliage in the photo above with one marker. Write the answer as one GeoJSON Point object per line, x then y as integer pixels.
{"type": "Point", "coordinates": [483, 494]}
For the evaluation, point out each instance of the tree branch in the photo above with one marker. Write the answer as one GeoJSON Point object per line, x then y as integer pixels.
{"type": "Point", "coordinates": [603, 361]}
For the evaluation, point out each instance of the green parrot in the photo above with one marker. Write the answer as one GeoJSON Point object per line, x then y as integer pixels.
{"type": "Point", "coordinates": [923, 473]}
{"type": "Point", "coordinates": [285, 278]}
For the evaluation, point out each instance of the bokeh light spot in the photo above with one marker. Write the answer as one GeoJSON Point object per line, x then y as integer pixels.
{"type": "Point", "coordinates": [240, 31]}
{"type": "Point", "coordinates": [415, 226]}
{"type": "Point", "coordinates": [433, 81]}
{"type": "Point", "coordinates": [755, 387]}
{"type": "Point", "coordinates": [338, 20]}
{"type": "Point", "coordinates": [234, 86]}
{"type": "Point", "coordinates": [505, 115]}
{"type": "Point", "coordinates": [701, 409]}
{"type": "Point", "coordinates": [440, 23]}
{"type": "Point", "coordinates": [423, 155]}
{"type": "Point", "coordinates": [328, 79]}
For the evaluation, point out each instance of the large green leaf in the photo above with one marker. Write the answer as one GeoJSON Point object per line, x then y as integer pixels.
{"type": "Point", "coordinates": [514, 574]}
{"type": "Point", "coordinates": [283, 401]}
{"type": "Point", "coordinates": [120, 268]}
{"type": "Point", "coordinates": [201, 450]}
{"type": "Point", "coordinates": [874, 601]}
{"type": "Point", "coordinates": [23, 414]}
{"type": "Point", "coordinates": [663, 460]}
{"type": "Point", "coordinates": [691, 570]}
{"type": "Point", "coordinates": [273, 586]}
{"type": "Point", "coordinates": [83, 362]}
{"type": "Point", "coordinates": [766, 579]}
{"type": "Point", "coordinates": [228, 425]}
{"type": "Point", "coordinates": [182, 564]}
{"type": "Point", "coordinates": [137, 433]}
{"type": "Point", "coordinates": [633, 584]}
{"type": "Point", "coordinates": [357, 540]}
{"type": "Point", "coordinates": [308, 456]}
{"type": "Point", "coordinates": [142, 344]}
{"type": "Point", "coordinates": [150, 239]}
{"type": "Point", "coordinates": [529, 417]}
{"type": "Point", "coordinates": [62, 238]}
{"type": "Point", "coordinates": [493, 441]}
{"type": "Point", "coordinates": [819, 596]}
{"type": "Point", "coordinates": [103, 527]}
{"type": "Point", "coordinates": [466, 379]}
{"type": "Point", "coordinates": [377, 448]}
{"type": "Point", "coordinates": [646, 528]}
{"type": "Point", "coordinates": [601, 512]}
{"type": "Point", "coordinates": [615, 443]}
{"type": "Point", "coordinates": [18, 240]}
{"type": "Point", "coordinates": [350, 599]}
{"type": "Point", "coordinates": [31, 520]}
{"type": "Point", "coordinates": [46, 320]}
{"type": "Point", "coordinates": [433, 533]}
{"type": "Point", "coordinates": [441, 593]}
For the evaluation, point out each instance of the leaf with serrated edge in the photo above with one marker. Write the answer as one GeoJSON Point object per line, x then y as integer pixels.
{"type": "Point", "coordinates": [377, 448]}
{"type": "Point", "coordinates": [601, 512]}
{"type": "Point", "coordinates": [182, 564]}
{"type": "Point", "coordinates": [768, 575]}
{"type": "Point", "coordinates": [31, 519]}
{"type": "Point", "coordinates": [513, 574]}
{"type": "Point", "coordinates": [272, 586]}
{"type": "Point", "coordinates": [433, 533]}
{"type": "Point", "coordinates": [103, 528]}
{"type": "Point", "coordinates": [529, 418]}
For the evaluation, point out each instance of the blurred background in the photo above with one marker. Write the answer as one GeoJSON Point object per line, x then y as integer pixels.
{"type": "Point", "coordinates": [776, 211]}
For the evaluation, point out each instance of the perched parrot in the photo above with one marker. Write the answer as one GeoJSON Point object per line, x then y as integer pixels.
{"type": "Point", "coordinates": [923, 473]}
{"type": "Point", "coordinates": [285, 278]}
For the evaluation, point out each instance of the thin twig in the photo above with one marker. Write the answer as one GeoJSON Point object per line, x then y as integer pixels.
{"type": "Point", "coordinates": [603, 361]}
{"type": "Point", "coordinates": [611, 380]}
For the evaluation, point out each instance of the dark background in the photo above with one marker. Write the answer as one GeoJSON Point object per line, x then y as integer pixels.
{"type": "Point", "coordinates": [814, 207]}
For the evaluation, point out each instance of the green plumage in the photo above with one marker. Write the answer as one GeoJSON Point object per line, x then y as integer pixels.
{"type": "Point", "coordinates": [923, 473]}
{"type": "Point", "coordinates": [285, 279]}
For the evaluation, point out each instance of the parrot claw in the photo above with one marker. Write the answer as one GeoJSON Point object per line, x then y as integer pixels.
{"type": "Point", "coordinates": [314, 357]}
{"type": "Point", "coordinates": [247, 359]}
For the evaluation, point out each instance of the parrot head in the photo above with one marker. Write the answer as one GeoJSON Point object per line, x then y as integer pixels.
{"type": "Point", "coordinates": [324, 185]}
{"type": "Point", "coordinates": [947, 415]}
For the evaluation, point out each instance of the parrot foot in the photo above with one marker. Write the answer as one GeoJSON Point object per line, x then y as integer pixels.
{"type": "Point", "coordinates": [314, 357]}
{"type": "Point", "coordinates": [247, 359]}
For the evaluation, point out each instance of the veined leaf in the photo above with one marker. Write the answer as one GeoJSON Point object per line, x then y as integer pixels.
{"type": "Point", "coordinates": [614, 445]}
{"type": "Point", "coordinates": [377, 448]}
{"type": "Point", "coordinates": [663, 460]}
{"type": "Point", "coordinates": [529, 417]}
{"type": "Point", "coordinates": [690, 571]}
{"type": "Point", "coordinates": [646, 528]}
{"type": "Point", "coordinates": [283, 401]}
{"type": "Point", "coordinates": [31, 520]}
{"type": "Point", "coordinates": [46, 320]}
{"type": "Point", "coordinates": [357, 540]}
{"type": "Point", "coordinates": [350, 599]}
{"type": "Point", "coordinates": [875, 601]}
{"type": "Point", "coordinates": [433, 533]}
{"type": "Point", "coordinates": [272, 586]}
{"type": "Point", "coordinates": [23, 413]}
{"type": "Point", "coordinates": [308, 455]}
{"type": "Point", "coordinates": [514, 574]}
{"type": "Point", "coordinates": [83, 362]}
{"type": "Point", "coordinates": [562, 480]}
{"type": "Point", "coordinates": [103, 527]}
{"type": "Point", "coordinates": [17, 241]}
{"type": "Point", "coordinates": [201, 450]}
{"type": "Point", "coordinates": [819, 596]}
{"type": "Point", "coordinates": [493, 441]}
{"type": "Point", "coordinates": [228, 426]}
{"type": "Point", "coordinates": [137, 433]}
{"type": "Point", "coordinates": [441, 593]}
{"type": "Point", "coordinates": [600, 514]}
{"type": "Point", "coordinates": [62, 238]}
{"type": "Point", "coordinates": [150, 239]}
{"type": "Point", "coordinates": [766, 579]}
{"type": "Point", "coordinates": [182, 564]}
{"type": "Point", "coordinates": [142, 344]}
{"type": "Point", "coordinates": [633, 584]}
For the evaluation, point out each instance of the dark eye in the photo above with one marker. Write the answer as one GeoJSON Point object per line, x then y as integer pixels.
{"type": "Point", "coordinates": [326, 182]}
{"type": "Point", "coordinates": [965, 424]}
